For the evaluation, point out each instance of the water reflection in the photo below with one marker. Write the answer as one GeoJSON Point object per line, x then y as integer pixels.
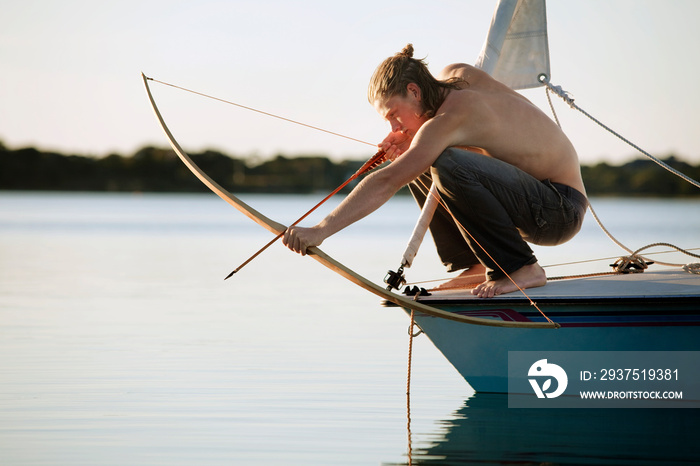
{"type": "Point", "coordinates": [485, 431]}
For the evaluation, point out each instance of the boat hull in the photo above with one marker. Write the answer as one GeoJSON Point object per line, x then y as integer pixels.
{"type": "Point", "coordinates": [605, 322]}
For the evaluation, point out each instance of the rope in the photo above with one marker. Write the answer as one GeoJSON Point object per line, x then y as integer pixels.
{"type": "Point", "coordinates": [570, 101]}
{"type": "Point", "coordinates": [408, 387]}
{"type": "Point", "coordinates": [583, 275]}
{"type": "Point", "coordinates": [686, 267]}
{"type": "Point", "coordinates": [551, 106]}
{"type": "Point", "coordinates": [684, 251]}
{"type": "Point", "coordinates": [690, 267]}
{"type": "Point", "coordinates": [634, 255]}
{"type": "Point", "coordinates": [605, 230]}
{"type": "Point", "coordinates": [606, 259]}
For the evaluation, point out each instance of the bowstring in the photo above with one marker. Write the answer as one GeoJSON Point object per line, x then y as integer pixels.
{"type": "Point", "coordinates": [252, 109]}
{"type": "Point", "coordinates": [296, 122]}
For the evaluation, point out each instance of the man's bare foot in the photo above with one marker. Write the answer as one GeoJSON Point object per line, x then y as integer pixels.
{"type": "Point", "coordinates": [529, 276]}
{"type": "Point", "coordinates": [466, 279]}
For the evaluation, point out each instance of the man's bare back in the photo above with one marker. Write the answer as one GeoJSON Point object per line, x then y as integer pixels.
{"type": "Point", "coordinates": [533, 142]}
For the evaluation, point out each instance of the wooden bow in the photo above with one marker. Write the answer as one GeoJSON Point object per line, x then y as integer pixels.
{"type": "Point", "coordinates": [317, 253]}
{"type": "Point", "coordinates": [376, 160]}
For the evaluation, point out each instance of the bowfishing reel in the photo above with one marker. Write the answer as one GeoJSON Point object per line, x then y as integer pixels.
{"type": "Point", "coordinates": [395, 280]}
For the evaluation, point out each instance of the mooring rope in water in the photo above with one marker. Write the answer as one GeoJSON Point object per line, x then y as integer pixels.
{"type": "Point", "coordinates": [411, 335]}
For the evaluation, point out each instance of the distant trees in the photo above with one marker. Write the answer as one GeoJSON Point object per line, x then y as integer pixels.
{"type": "Point", "coordinates": [159, 170]}
{"type": "Point", "coordinates": [640, 178]}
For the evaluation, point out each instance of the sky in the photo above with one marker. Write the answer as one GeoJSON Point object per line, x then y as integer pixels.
{"type": "Point", "coordinates": [70, 71]}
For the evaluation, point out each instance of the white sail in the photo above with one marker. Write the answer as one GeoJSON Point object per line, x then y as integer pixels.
{"type": "Point", "coordinates": [516, 50]}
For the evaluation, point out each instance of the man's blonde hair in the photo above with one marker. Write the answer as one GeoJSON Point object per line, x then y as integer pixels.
{"type": "Point", "coordinates": [395, 73]}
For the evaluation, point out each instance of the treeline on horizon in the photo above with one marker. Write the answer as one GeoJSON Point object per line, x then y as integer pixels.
{"type": "Point", "coordinates": [153, 169]}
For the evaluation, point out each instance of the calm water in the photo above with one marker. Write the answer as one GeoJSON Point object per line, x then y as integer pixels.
{"type": "Point", "coordinates": [120, 343]}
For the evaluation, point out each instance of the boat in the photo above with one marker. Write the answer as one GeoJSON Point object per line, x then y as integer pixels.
{"type": "Point", "coordinates": [653, 311]}
{"type": "Point", "coordinates": [495, 343]}
{"type": "Point", "coordinates": [632, 312]}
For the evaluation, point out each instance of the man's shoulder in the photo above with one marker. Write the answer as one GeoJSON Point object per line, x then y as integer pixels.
{"type": "Point", "coordinates": [461, 97]}
{"type": "Point", "coordinates": [456, 70]}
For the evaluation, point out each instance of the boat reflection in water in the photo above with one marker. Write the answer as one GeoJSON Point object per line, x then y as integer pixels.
{"type": "Point", "coordinates": [485, 431]}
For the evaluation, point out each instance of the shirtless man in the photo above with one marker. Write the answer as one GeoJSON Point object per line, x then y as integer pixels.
{"type": "Point", "coordinates": [506, 172]}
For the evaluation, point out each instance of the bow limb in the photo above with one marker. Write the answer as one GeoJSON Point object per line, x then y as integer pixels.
{"type": "Point", "coordinates": [321, 256]}
{"type": "Point", "coordinates": [406, 303]}
{"type": "Point", "coordinates": [244, 208]}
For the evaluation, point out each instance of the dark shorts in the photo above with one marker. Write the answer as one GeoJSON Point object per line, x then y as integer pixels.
{"type": "Point", "coordinates": [495, 209]}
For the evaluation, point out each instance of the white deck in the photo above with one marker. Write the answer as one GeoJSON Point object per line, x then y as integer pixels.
{"type": "Point", "coordinates": [649, 284]}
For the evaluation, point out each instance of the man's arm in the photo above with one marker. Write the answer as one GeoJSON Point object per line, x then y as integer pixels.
{"type": "Point", "coordinates": [370, 194]}
{"type": "Point", "coordinates": [373, 191]}
{"type": "Point", "coordinates": [463, 120]}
